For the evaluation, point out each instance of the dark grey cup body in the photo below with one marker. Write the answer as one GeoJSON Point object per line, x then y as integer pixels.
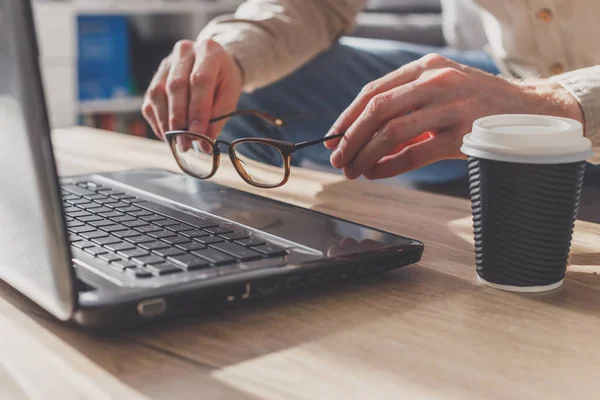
{"type": "Point", "coordinates": [523, 219]}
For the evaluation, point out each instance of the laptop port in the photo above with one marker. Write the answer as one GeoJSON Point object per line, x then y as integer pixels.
{"type": "Point", "coordinates": [152, 307]}
{"type": "Point", "coordinates": [266, 288]}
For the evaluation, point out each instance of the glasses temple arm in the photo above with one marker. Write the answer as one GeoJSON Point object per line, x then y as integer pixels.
{"type": "Point", "coordinates": [324, 139]}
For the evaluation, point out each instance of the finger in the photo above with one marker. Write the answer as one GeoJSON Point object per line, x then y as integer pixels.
{"type": "Point", "coordinates": [397, 132]}
{"type": "Point", "coordinates": [178, 91]}
{"type": "Point", "coordinates": [203, 81]}
{"type": "Point", "coordinates": [148, 113]}
{"type": "Point", "coordinates": [442, 146]}
{"type": "Point", "coordinates": [401, 76]}
{"type": "Point", "coordinates": [157, 97]}
{"type": "Point", "coordinates": [383, 107]}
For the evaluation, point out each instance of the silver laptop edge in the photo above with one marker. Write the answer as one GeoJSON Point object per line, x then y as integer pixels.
{"type": "Point", "coordinates": [35, 258]}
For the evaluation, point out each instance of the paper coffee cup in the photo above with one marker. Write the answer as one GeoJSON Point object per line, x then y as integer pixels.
{"type": "Point", "coordinates": [525, 176]}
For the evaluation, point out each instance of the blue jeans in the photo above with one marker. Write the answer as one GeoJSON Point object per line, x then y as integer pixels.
{"type": "Point", "coordinates": [311, 98]}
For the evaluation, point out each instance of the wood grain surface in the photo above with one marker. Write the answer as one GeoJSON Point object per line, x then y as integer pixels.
{"type": "Point", "coordinates": [427, 331]}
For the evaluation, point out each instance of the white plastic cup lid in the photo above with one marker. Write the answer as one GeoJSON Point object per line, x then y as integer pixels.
{"type": "Point", "coordinates": [531, 139]}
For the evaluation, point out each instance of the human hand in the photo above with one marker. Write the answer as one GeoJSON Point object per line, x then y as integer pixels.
{"type": "Point", "coordinates": [196, 82]}
{"type": "Point", "coordinates": [419, 114]}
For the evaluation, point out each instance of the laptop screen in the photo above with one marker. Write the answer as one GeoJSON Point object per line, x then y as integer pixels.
{"type": "Point", "coordinates": [34, 256]}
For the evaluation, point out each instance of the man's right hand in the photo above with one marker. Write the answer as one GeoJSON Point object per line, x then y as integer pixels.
{"type": "Point", "coordinates": [196, 82]}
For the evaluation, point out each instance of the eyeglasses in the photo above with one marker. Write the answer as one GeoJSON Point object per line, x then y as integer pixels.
{"type": "Point", "coordinates": [199, 155]}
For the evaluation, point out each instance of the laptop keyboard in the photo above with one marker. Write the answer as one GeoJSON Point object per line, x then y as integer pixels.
{"type": "Point", "coordinates": [144, 239]}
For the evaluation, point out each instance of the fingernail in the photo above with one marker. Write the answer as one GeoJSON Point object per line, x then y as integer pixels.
{"type": "Point", "coordinates": [336, 158]}
{"type": "Point", "coordinates": [195, 126]}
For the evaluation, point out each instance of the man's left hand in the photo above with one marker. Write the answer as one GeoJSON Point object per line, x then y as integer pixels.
{"type": "Point", "coordinates": [419, 114]}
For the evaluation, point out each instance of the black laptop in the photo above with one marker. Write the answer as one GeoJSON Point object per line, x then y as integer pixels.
{"type": "Point", "coordinates": [126, 247]}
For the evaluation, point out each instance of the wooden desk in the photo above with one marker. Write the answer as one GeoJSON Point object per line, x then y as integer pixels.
{"type": "Point", "coordinates": [426, 331]}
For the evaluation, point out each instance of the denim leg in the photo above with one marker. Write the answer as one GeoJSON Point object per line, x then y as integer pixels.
{"type": "Point", "coordinates": [311, 98]}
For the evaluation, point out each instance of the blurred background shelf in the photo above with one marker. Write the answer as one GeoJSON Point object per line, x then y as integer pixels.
{"type": "Point", "coordinates": [116, 105]}
{"type": "Point", "coordinates": [132, 7]}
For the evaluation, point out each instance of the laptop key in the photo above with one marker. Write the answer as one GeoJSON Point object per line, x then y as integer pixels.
{"type": "Point", "coordinates": [90, 218]}
{"type": "Point", "coordinates": [93, 185]}
{"type": "Point", "coordinates": [102, 222]}
{"type": "Point", "coordinates": [100, 210]}
{"type": "Point", "coordinates": [111, 214]}
{"type": "Point", "coordinates": [122, 264]}
{"type": "Point", "coordinates": [126, 234]}
{"type": "Point", "coordinates": [235, 235]}
{"type": "Point", "coordinates": [138, 272]}
{"type": "Point", "coordinates": [84, 205]}
{"type": "Point", "coordinates": [95, 250]}
{"type": "Point", "coordinates": [132, 200]}
{"type": "Point", "coordinates": [191, 246]}
{"type": "Point", "coordinates": [93, 235]}
{"type": "Point", "coordinates": [114, 228]}
{"type": "Point", "coordinates": [74, 238]}
{"type": "Point", "coordinates": [148, 228]}
{"type": "Point", "coordinates": [237, 251]}
{"type": "Point", "coordinates": [74, 223]}
{"type": "Point", "coordinates": [141, 213]}
{"type": "Point", "coordinates": [168, 252]}
{"type": "Point", "coordinates": [148, 260]}
{"type": "Point", "coordinates": [103, 241]}
{"type": "Point", "coordinates": [178, 215]}
{"type": "Point", "coordinates": [189, 262]}
{"type": "Point", "coordinates": [79, 214]}
{"type": "Point", "coordinates": [123, 218]}
{"type": "Point", "coordinates": [135, 224]}
{"type": "Point", "coordinates": [83, 244]}
{"type": "Point", "coordinates": [194, 233]}
{"type": "Point", "coordinates": [152, 218]}
{"type": "Point", "coordinates": [109, 257]}
{"type": "Point", "coordinates": [132, 253]}
{"type": "Point", "coordinates": [213, 256]}
{"type": "Point", "coordinates": [117, 205]}
{"type": "Point", "coordinates": [176, 240]}
{"type": "Point", "coordinates": [140, 239]}
{"type": "Point", "coordinates": [209, 239]}
{"type": "Point", "coordinates": [218, 230]}
{"type": "Point", "coordinates": [95, 196]}
{"type": "Point", "coordinates": [180, 227]}
{"type": "Point", "coordinates": [167, 222]}
{"type": "Point", "coordinates": [270, 250]}
{"type": "Point", "coordinates": [251, 241]}
{"type": "Point", "coordinates": [70, 197]}
{"type": "Point", "coordinates": [120, 195]}
{"type": "Point", "coordinates": [164, 268]}
{"type": "Point", "coordinates": [162, 234]}
{"type": "Point", "coordinates": [81, 229]}
{"type": "Point", "coordinates": [127, 209]}
{"type": "Point", "coordinates": [119, 246]}
{"type": "Point", "coordinates": [106, 201]}
{"type": "Point", "coordinates": [70, 209]}
{"type": "Point", "coordinates": [155, 245]}
{"type": "Point", "coordinates": [79, 191]}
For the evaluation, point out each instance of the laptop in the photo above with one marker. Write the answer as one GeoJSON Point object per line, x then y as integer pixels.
{"type": "Point", "coordinates": [129, 247]}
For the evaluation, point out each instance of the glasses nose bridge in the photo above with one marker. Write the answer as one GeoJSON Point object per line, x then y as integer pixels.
{"type": "Point", "coordinates": [222, 142]}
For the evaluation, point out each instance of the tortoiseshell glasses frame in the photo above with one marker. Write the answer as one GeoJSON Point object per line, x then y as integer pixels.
{"type": "Point", "coordinates": [285, 148]}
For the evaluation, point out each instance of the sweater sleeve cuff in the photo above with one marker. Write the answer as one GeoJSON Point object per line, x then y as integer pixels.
{"type": "Point", "coordinates": [242, 51]}
{"type": "Point", "coordinates": [584, 85]}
